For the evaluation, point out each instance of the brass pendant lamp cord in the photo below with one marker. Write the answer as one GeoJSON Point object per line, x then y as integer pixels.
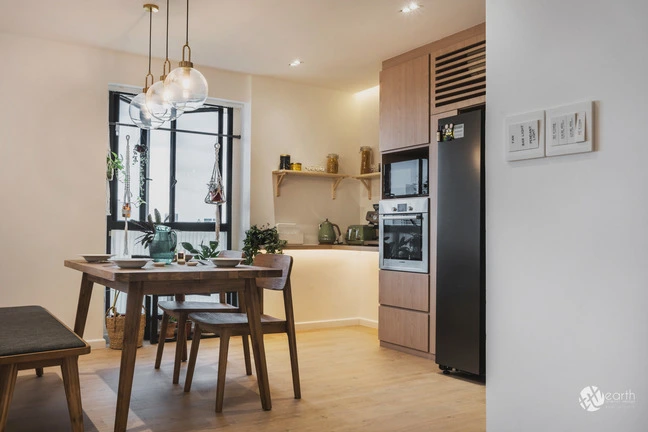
{"type": "Point", "coordinates": [186, 46]}
{"type": "Point", "coordinates": [165, 72]}
{"type": "Point", "coordinates": [146, 83]}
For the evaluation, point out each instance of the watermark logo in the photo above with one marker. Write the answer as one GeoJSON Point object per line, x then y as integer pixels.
{"type": "Point", "coordinates": [593, 399]}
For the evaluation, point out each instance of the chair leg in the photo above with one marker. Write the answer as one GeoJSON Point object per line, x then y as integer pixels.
{"type": "Point", "coordinates": [39, 372]}
{"type": "Point", "coordinates": [186, 337]}
{"type": "Point", "coordinates": [180, 346]}
{"type": "Point", "coordinates": [195, 344]}
{"type": "Point", "coordinates": [8, 374]}
{"type": "Point", "coordinates": [160, 348]}
{"type": "Point", "coordinates": [246, 355]}
{"type": "Point", "coordinates": [70, 372]}
{"type": "Point", "coordinates": [292, 340]}
{"type": "Point", "coordinates": [222, 369]}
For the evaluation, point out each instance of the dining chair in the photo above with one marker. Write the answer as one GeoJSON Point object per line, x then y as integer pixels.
{"type": "Point", "coordinates": [226, 325]}
{"type": "Point", "coordinates": [180, 310]}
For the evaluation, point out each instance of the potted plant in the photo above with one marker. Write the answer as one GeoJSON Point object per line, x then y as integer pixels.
{"type": "Point", "coordinates": [205, 252]}
{"type": "Point", "coordinates": [264, 237]}
{"type": "Point", "coordinates": [171, 328]}
{"type": "Point", "coordinates": [160, 239]}
{"type": "Point", "coordinates": [114, 163]}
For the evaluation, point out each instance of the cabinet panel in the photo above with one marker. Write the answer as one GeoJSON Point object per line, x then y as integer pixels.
{"type": "Point", "coordinates": [404, 290]}
{"type": "Point", "coordinates": [405, 104]}
{"type": "Point", "coordinates": [403, 327]}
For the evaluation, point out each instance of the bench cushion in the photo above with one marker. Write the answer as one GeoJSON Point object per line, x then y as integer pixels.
{"type": "Point", "coordinates": [30, 329]}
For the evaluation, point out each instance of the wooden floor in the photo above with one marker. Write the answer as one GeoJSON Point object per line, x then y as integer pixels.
{"type": "Point", "coordinates": [349, 383]}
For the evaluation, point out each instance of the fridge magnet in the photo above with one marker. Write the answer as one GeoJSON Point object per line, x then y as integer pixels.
{"type": "Point", "coordinates": [569, 129]}
{"type": "Point", "coordinates": [525, 136]}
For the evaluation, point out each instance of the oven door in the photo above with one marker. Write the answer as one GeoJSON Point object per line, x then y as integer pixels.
{"type": "Point", "coordinates": [404, 242]}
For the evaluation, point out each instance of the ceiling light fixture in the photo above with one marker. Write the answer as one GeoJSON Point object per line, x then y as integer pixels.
{"type": "Point", "coordinates": [138, 110]}
{"type": "Point", "coordinates": [158, 97]}
{"type": "Point", "coordinates": [410, 7]}
{"type": "Point", "coordinates": [187, 87]}
{"type": "Point", "coordinates": [295, 63]}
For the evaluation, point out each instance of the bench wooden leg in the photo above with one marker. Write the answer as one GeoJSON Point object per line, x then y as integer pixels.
{"type": "Point", "coordinates": [70, 372]}
{"type": "Point", "coordinates": [8, 374]}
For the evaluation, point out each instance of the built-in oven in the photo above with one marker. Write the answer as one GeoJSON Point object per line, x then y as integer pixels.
{"type": "Point", "coordinates": [404, 234]}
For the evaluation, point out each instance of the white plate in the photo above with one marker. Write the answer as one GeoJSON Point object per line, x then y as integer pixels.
{"type": "Point", "coordinates": [226, 262]}
{"type": "Point", "coordinates": [95, 258]}
{"type": "Point", "coordinates": [130, 263]}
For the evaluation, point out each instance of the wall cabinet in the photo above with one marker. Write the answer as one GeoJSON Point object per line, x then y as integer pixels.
{"type": "Point", "coordinates": [405, 104]}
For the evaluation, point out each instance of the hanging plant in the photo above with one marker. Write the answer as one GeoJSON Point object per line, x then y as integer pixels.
{"type": "Point", "coordinates": [114, 163]}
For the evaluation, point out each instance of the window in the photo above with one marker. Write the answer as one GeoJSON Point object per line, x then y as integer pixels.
{"type": "Point", "coordinates": [169, 169]}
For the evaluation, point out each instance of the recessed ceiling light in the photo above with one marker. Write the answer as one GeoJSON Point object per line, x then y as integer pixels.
{"type": "Point", "coordinates": [410, 7]}
{"type": "Point", "coordinates": [296, 63]}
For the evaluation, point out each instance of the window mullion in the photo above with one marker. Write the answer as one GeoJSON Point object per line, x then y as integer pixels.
{"type": "Point", "coordinates": [172, 170]}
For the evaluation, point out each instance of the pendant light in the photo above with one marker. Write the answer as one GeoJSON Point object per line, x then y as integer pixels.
{"type": "Point", "coordinates": [157, 97]}
{"type": "Point", "coordinates": [138, 110]}
{"type": "Point", "coordinates": [187, 87]}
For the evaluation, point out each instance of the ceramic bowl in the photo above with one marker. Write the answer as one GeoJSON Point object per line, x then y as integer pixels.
{"type": "Point", "coordinates": [95, 258]}
{"type": "Point", "coordinates": [225, 262]}
{"type": "Point", "coordinates": [130, 263]}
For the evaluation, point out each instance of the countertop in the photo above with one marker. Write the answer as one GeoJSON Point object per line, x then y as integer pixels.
{"type": "Point", "coordinates": [329, 246]}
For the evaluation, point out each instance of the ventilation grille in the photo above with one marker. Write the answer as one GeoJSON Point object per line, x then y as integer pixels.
{"type": "Point", "coordinates": [460, 75]}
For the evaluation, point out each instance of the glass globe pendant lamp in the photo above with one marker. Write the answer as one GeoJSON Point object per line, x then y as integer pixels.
{"type": "Point", "coordinates": [158, 96]}
{"type": "Point", "coordinates": [187, 87]}
{"type": "Point", "coordinates": [138, 110]}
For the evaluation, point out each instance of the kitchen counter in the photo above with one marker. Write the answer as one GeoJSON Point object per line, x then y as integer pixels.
{"type": "Point", "coordinates": [329, 246]}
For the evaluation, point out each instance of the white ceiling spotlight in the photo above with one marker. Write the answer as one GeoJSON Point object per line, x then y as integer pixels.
{"type": "Point", "coordinates": [411, 7]}
{"type": "Point", "coordinates": [295, 63]}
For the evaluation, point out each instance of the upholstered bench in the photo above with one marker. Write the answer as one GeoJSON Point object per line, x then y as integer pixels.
{"type": "Point", "coordinates": [32, 338]}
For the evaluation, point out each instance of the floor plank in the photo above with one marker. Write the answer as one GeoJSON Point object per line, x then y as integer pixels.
{"type": "Point", "coordinates": [349, 383]}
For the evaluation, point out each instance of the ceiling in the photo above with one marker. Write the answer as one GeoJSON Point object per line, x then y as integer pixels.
{"type": "Point", "coordinates": [341, 42]}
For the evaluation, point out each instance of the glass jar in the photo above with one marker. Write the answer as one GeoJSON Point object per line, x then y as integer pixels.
{"type": "Point", "coordinates": [365, 160]}
{"type": "Point", "coordinates": [332, 163]}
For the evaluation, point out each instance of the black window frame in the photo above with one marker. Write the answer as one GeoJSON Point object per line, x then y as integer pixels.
{"type": "Point", "coordinates": [224, 139]}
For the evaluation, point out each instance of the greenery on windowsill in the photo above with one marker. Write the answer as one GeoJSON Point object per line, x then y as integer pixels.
{"type": "Point", "coordinates": [257, 238]}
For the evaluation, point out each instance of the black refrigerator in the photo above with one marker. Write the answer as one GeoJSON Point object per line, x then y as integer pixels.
{"type": "Point", "coordinates": [460, 283]}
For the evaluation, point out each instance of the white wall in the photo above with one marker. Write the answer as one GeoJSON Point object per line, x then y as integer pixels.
{"type": "Point", "coordinates": [567, 281]}
{"type": "Point", "coordinates": [54, 135]}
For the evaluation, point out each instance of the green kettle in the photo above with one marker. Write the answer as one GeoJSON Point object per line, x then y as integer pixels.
{"type": "Point", "coordinates": [326, 233]}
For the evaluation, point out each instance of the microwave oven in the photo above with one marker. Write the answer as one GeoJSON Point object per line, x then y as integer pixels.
{"type": "Point", "coordinates": [405, 178]}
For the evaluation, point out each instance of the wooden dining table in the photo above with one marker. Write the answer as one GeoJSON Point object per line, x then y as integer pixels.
{"type": "Point", "coordinates": [172, 280]}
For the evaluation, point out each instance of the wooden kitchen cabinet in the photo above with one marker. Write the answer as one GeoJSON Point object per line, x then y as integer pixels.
{"type": "Point", "coordinates": [404, 313]}
{"type": "Point", "coordinates": [405, 104]}
{"type": "Point", "coordinates": [404, 290]}
{"type": "Point", "coordinates": [404, 327]}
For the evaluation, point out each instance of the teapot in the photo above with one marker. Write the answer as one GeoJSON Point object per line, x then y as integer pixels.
{"type": "Point", "coordinates": [326, 234]}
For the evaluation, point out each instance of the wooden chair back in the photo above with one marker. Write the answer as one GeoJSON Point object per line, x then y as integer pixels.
{"type": "Point", "coordinates": [277, 261]}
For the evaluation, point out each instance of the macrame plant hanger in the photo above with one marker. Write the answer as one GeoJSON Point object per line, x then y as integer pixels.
{"type": "Point", "coordinates": [216, 194]}
{"type": "Point", "coordinates": [126, 206]}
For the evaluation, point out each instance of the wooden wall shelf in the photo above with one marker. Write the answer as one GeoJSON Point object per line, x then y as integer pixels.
{"type": "Point", "coordinates": [281, 174]}
{"type": "Point", "coordinates": [365, 179]}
